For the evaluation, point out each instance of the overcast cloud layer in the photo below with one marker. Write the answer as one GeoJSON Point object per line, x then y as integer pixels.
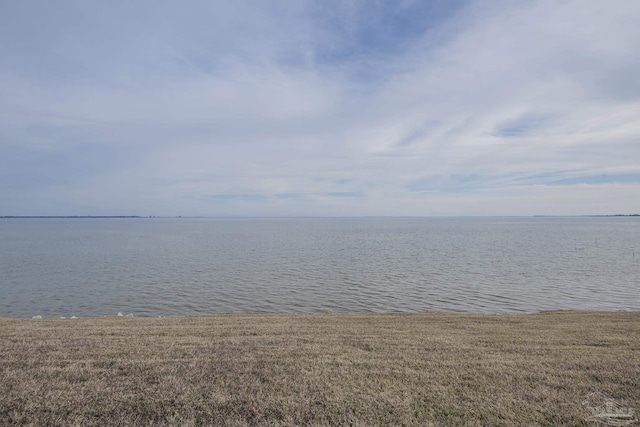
{"type": "Point", "coordinates": [285, 108]}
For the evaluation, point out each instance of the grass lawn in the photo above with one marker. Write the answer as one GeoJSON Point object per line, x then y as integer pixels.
{"type": "Point", "coordinates": [327, 369]}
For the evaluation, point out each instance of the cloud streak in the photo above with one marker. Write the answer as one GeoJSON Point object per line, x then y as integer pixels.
{"type": "Point", "coordinates": [331, 108]}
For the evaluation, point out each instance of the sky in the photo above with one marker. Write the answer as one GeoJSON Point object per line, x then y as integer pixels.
{"type": "Point", "coordinates": [319, 108]}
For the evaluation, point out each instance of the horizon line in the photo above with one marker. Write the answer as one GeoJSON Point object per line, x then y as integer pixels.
{"type": "Point", "coordinates": [305, 216]}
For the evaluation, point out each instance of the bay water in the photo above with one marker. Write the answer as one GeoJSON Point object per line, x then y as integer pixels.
{"type": "Point", "coordinates": [57, 267]}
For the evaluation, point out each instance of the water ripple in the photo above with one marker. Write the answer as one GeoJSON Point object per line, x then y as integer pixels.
{"type": "Point", "coordinates": [180, 267]}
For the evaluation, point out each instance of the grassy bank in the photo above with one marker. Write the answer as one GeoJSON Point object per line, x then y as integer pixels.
{"type": "Point", "coordinates": [248, 369]}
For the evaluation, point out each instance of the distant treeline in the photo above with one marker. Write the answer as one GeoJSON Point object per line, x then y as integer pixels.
{"type": "Point", "coordinates": [616, 215]}
{"type": "Point", "coordinates": [73, 216]}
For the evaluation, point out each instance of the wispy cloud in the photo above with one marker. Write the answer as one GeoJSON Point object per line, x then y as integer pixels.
{"type": "Point", "coordinates": [330, 108]}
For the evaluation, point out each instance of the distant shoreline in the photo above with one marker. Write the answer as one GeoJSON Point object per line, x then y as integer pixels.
{"type": "Point", "coordinates": [70, 216]}
{"type": "Point", "coordinates": [242, 217]}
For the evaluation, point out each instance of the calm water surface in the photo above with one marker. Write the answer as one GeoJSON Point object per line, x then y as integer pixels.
{"type": "Point", "coordinates": [150, 267]}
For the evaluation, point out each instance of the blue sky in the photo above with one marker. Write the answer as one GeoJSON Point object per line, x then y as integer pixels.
{"type": "Point", "coordinates": [287, 108]}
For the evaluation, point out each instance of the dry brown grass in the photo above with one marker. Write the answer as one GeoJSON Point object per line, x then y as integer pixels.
{"type": "Point", "coordinates": [257, 369]}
